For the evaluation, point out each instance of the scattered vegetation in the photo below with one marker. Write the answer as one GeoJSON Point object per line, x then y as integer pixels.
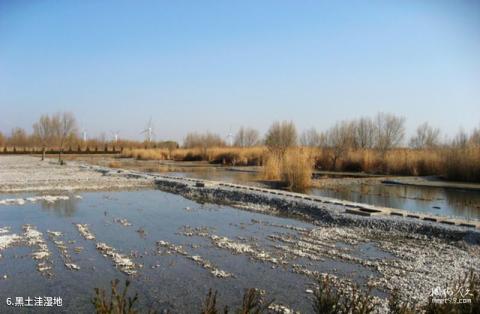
{"type": "Point", "coordinates": [396, 306]}
{"type": "Point", "coordinates": [326, 299]}
{"type": "Point", "coordinates": [464, 289]}
{"type": "Point", "coordinates": [235, 156]}
{"type": "Point", "coordinates": [253, 303]}
{"type": "Point", "coordinates": [117, 302]}
{"type": "Point", "coordinates": [329, 300]}
{"type": "Point", "coordinates": [114, 164]}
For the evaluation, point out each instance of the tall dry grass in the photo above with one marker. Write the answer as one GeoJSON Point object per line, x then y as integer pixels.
{"type": "Point", "coordinates": [146, 154]}
{"type": "Point", "coordinates": [463, 164]}
{"type": "Point", "coordinates": [460, 164]}
{"type": "Point", "coordinates": [272, 167]}
{"type": "Point", "coordinates": [296, 169]}
{"type": "Point", "coordinates": [248, 156]}
{"type": "Point", "coordinates": [236, 156]}
{"type": "Point", "coordinates": [395, 162]}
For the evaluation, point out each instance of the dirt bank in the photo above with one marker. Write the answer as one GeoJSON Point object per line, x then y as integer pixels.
{"type": "Point", "coordinates": [27, 173]}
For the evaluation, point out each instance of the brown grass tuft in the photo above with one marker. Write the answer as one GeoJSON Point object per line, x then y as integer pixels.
{"type": "Point", "coordinates": [146, 154]}
{"type": "Point", "coordinates": [463, 164]}
{"type": "Point", "coordinates": [272, 167]}
{"type": "Point", "coordinates": [296, 170]}
{"type": "Point", "coordinates": [114, 164]}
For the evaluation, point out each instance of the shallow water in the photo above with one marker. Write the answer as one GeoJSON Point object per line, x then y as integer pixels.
{"type": "Point", "coordinates": [166, 281]}
{"type": "Point", "coordinates": [433, 200]}
{"type": "Point", "coordinates": [437, 201]}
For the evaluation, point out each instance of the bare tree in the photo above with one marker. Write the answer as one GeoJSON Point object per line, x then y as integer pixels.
{"type": "Point", "coordinates": [475, 137]}
{"type": "Point", "coordinates": [44, 132]}
{"type": "Point", "coordinates": [390, 131]}
{"type": "Point", "coordinates": [311, 138]}
{"type": "Point", "coordinates": [18, 137]}
{"type": "Point", "coordinates": [65, 126]}
{"type": "Point", "coordinates": [364, 133]}
{"type": "Point", "coordinates": [460, 140]}
{"type": "Point", "coordinates": [102, 138]}
{"type": "Point", "coordinates": [339, 140]}
{"type": "Point", "coordinates": [281, 136]}
{"type": "Point", "coordinates": [206, 140]}
{"type": "Point", "coordinates": [246, 137]}
{"type": "Point", "coordinates": [425, 137]}
{"type": "Point", "coordinates": [191, 140]}
{"type": "Point", "coordinates": [2, 139]}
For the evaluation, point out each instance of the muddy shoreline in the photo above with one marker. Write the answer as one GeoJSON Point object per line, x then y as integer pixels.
{"type": "Point", "coordinates": [320, 214]}
{"type": "Point", "coordinates": [30, 174]}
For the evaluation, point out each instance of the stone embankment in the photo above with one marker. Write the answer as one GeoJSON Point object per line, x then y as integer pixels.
{"type": "Point", "coordinates": [320, 210]}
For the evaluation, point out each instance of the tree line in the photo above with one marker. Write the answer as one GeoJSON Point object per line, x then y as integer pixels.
{"type": "Point", "coordinates": [382, 133]}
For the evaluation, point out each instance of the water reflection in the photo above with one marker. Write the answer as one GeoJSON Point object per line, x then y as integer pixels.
{"type": "Point", "coordinates": [439, 201]}
{"type": "Point", "coordinates": [61, 208]}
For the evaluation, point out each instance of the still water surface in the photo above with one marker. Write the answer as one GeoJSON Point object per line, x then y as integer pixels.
{"type": "Point", "coordinates": [165, 281]}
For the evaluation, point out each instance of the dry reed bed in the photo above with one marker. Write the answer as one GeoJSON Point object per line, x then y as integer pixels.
{"type": "Point", "coordinates": [460, 164]}
{"type": "Point", "coordinates": [231, 156]}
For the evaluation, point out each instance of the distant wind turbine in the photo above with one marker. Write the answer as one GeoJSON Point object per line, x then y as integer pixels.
{"type": "Point", "coordinates": [230, 137]}
{"type": "Point", "coordinates": [84, 135]}
{"type": "Point", "coordinates": [115, 136]}
{"type": "Point", "coordinates": [149, 131]}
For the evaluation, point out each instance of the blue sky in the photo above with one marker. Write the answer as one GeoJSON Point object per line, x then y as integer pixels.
{"type": "Point", "coordinates": [217, 65]}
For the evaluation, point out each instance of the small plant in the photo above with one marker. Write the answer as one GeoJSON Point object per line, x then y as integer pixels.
{"type": "Point", "coordinates": [325, 299]}
{"type": "Point", "coordinates": [210, 303]}
{"type": "Point", "coordinates": [329, 300]}
{"type": "Point", "coordinates": [396, 306]}
{"type": "Point", "coordinates": [117, 303]}
{"type": "Point", "coordinates": [114, 164]}
{"type": "Point", "coordinates": [469, 283]}
{"type": "Point", "coordinates": [253, 303]}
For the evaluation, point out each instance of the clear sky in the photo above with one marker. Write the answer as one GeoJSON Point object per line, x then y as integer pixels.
{"type": "Point", "coordinates": [217, 65]}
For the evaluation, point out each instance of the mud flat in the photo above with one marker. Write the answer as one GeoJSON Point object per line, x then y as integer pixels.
{"type": "Point", "coordinates": [27, 173]}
